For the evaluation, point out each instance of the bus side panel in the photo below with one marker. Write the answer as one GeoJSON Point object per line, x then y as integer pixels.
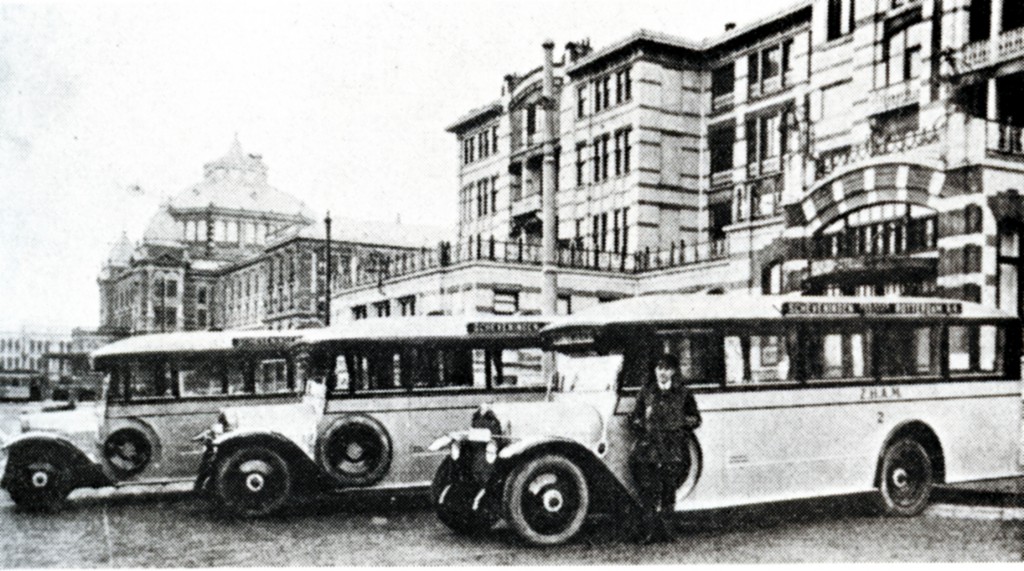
{"type": "Point", "coordinates": [175, 423]}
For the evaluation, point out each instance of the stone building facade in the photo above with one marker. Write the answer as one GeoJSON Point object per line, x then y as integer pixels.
{"type": "Point", "coordinates": [838, 147]}
{"type": "Point", "coordinates": [234, 252]}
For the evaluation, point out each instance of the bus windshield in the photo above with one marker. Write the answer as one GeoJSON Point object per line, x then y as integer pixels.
{"type": "Point", "coordinates": [587, 372]}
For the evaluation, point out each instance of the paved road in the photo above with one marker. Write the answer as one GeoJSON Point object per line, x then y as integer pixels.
{"type": "Point", "coordinates": [143, 528]}
{"type": "Point", "coordinates": [173, 529]}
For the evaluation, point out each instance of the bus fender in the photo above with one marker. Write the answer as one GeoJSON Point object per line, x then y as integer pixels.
{"type": "Point", "coordinates": [84, 470]}
{"type": "Point", "coordinates": [609, 492]}
{"type": "Point", "coordinates": [302, 465]}
{"type": "Point", "coordinates": [925, 435]}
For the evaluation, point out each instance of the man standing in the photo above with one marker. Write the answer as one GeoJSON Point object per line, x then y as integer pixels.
{"type": "Point", "coordinates": [664, 415]}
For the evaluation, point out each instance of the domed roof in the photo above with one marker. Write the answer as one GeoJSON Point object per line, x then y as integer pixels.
{"type": "Point", "coordinates": [121, 252]}
{"type": "Point", "coordinates": [162, 228]}
{"type": "Point", "coordinates": [238, 181]}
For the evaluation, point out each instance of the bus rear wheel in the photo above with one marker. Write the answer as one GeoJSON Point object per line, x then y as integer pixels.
{"type": "Point", "coordinates": [906, 478]}
{"type": "Point", "coordinates": [547, 500]}
{"type": "Point", "coordinates": [253, 481]}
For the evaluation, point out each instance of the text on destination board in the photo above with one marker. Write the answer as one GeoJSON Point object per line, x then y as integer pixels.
{"type": "Point", "coordinates": [870, 308]}
{"type": "Point", "coordinates": [502, 328]}
{"type": "Point", "coordinates": [263, 342]}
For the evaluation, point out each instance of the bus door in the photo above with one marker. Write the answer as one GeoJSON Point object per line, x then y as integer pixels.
{"type": "Point", "coordinates": [159, 403]}
{"type": "Point", "coordinates": [450, 382]}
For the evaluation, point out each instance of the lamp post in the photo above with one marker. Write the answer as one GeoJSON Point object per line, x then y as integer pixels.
{"type": "Point", "coordinates": [328, 266]}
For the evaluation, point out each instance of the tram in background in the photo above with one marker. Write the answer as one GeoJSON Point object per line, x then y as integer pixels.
{"type": "Point", "coordinates": [159, 391]}
{"type": "Point", "coordinates": [391, 386]}
{"type": "Point", "coordinates": [800, 398]}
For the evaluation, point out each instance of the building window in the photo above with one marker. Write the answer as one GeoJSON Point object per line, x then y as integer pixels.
{"type": "Point", "coordinates": [723, 82]}
{"type": "Point", "coordinates": [172, 288]}
{"type": "Point", "coordinates": [1010, 261]}
{"type": "Point", "coordinates": [506, 302]}
{"type": "Point", "coordinates": [382, 308]}
{"type": "Point", "coordinates": [581, 101]}
{"type": "Point", "coordinates": [720, 142]}
{"type": "Point", "coordinates": [201, 318]}
{"type": "Point", "coordinates": [564, 305]}
{"type": "Point", "coordinates": [531, 119]}
{"type": "Point", "coordinates": [769, 68]}
{"type": "Point", "coordinates": [407, 305]}
{"type": "Point", "coordinates": [622, 150]}
{"type": "Point", "coordinates": [494, 140]}
{"type": "Point", "coordinates": [840, 18]}
{"type": "Point", "coordinates": [359, 312]}
{"type": "Point", "coordinates": [580, 162]}
{"type": "Point", "coordinates": [623, 86]}
{"type": "Point", "coordinates": [901, 56]}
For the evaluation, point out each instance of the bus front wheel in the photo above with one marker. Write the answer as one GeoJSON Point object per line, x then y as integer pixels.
{"type": "Point", "coordinates": [906, 478]}
{"type": "Point", "coordinates": [41, 484]}
{"type": "Point", "coordinates": [253, 481]}
{"type": "Point", "coordinates": [547, 499]}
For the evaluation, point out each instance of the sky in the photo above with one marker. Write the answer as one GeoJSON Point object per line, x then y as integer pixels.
{"type": "Point", "coordinates": [346, 101]}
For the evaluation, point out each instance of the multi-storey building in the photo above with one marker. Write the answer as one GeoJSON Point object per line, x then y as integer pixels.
{"type": "Point", "coordinates": [234, 252]}
{"type": "Point", "coordinates": [838, 147]}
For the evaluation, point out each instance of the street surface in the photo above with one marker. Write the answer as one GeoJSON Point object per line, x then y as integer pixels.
{"type": "Point", "coordinates": [143, 527]}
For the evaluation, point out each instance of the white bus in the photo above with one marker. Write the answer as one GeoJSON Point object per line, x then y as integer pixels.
{"type": "Point", "coordinates": [160, 390]}
{"type": "Point", "coordinates": [801, 397]}
{"type": "Point", "coordinates": [392, 385]}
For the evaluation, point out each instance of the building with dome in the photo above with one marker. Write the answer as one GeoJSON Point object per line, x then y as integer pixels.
{"type": "Point", "coordinates": [232, 251]}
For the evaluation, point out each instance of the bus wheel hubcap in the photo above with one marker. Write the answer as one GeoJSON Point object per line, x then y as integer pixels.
{"type": "Point", "coordinates": [900, 478]}
{"type": "Point", "coordinates": [553, 501]}
{"type": "Point", "coordinates": [40, 479]}
{"type": "Point", "coordinates": [354, 452]}
{"type": "Point", "coordinates": [254, 482]}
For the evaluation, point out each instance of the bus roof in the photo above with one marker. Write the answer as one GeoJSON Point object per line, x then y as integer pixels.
{"type": "Point", "coordinates": [682, 308]}
{"type": "Point", "coordinates": [199, 342]}
{"type": "Point", "coordinates": [430, 328]}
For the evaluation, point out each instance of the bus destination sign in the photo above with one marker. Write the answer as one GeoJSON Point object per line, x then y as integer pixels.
{"type": "Point", "coordinates": [263, 343]}
{"type": "Point", "coordinates": [512, 328]}
{"type": "Point", "coordinates": [914, 308]}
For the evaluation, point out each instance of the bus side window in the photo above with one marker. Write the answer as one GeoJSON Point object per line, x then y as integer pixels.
{"type": "Point", "coordinates": [769, 359]}
{"type": "Point", "coordinates": [701, 357]}
{"type": "Point", "coordinates": [837, 355]}
{"type": "Point", "coordinates": [342, 378]}
{"type": "Point", "coordinates": [518, 368]}
{"type": "Point", "coordinates": [272, 376]}
{"type": "Point", "coordinates": [200, 378]}
{"type": "Point", "coordinates": [976, 349]}
{"type": "Point", "coordinates": [908, 351]}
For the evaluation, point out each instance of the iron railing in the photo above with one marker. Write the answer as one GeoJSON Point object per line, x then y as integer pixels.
{"type": "Point", "coordinates": [877, 146]}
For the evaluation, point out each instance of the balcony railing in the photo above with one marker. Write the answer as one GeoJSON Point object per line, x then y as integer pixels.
{"type": "Point", "coordinates": [568, 256]}
{"type": "Point", "coordinates": [1010, 45]}
{"type": "Point", "coordinates": [878, 146]}
{"type": "Point", "coordinates": [1005, 139]}
{"type": "Point", "coordinates": [722, 178]}
{"type": "Point", "coordinates": [891, 97]}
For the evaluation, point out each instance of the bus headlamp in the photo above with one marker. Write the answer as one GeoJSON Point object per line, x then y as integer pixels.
{"type": "Point", "coordinates": [491, 452]}
{"type": "Point", "coordinates": [455, 451]}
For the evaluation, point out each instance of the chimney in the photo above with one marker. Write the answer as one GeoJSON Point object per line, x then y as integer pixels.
{"type": "Point", "coordinates": [730, 26]}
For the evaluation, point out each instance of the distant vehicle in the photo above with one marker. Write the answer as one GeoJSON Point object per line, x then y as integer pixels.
{"type": "Point", "coordinates": [20, 386]}
{"type": "Point", "coordinates": [391, 386]}
{"type": "Point", "coordinates": [160, 390]}
{"type": "Point", "coordinates": [800, 398]}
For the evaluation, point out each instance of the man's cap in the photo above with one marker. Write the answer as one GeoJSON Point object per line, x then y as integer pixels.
{"type": "Point", "coordinates": [668, 360]}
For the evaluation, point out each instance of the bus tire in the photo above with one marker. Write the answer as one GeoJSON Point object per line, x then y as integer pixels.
{"type": "Point", "coordinates": [355, 451]}
{"type": "Point", "coordinates": [41, 484]}
{"type": "Point", "coordinates": [547, 499]}
{"type": "Point", "coordinates": [253, 481]}
{"type": "Point", "coordinates": [905, 478]}
{"type": "Point", "coordinates": [455, 511]}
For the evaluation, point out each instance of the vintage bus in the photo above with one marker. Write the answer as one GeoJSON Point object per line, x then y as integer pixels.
{"type": "Point", "coordinates": [160, 390]}
{"type": "Point", "coordinates": [801, 397]}
{"type": "Point", "coordinates": [391, 387]}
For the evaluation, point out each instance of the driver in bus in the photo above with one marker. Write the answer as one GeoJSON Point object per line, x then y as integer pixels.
{"type": "Point", "coordinates": [664, 415]}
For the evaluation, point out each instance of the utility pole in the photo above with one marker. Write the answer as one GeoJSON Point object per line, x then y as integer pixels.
{"type": "Point", "coordinates": [549, 269]}
{"type": "Point", "coordinates": [329, 268]}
